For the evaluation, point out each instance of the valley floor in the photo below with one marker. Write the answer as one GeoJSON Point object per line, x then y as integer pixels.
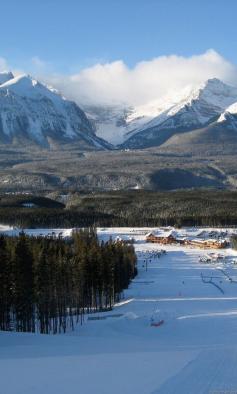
{"type": "Point", "coordinates": [193, 352]}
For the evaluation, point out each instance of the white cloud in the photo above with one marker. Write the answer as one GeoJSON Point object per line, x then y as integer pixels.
{"type": "Point", "coordinates": [38, 63]}
{"type": "Point", "coordinates": [149, 80]}
{"type": "Point", "coordinates": [3, 64]}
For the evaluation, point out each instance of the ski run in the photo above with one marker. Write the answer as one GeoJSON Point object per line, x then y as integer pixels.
{"type": "Point", "coordinates": [174, 332]}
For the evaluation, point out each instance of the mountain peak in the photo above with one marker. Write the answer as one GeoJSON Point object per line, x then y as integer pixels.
{"type": "Point", "coordinates": [30, 110]}
{"type": "Point", "coordinates": [213, 92]}
{"type": "Point", "coordinates": [218, 87]}
{"type": "Point", "coordinates": [5, 76]}
{"type": "Point", "coordinates": [197, 108]}
{"type": "Point", "coordinates": [214, 84]}
{"type": "Point", "coordinates": [27, 86]}
{"type": "Point", "coordinates": [214, 81]}
{"type": "Point", "coordinates": [22, 79]}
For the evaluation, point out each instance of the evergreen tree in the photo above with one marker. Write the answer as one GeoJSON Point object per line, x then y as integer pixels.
{"type": "Point", "coordinates": [47, 284]}
{"type": "Point", "coordinates": [5, 286]}
{"type": "Point", "coordinates": [23, 286]}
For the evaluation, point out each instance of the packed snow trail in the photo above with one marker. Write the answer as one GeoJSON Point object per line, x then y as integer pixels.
{"type": "Point", "coordinates": [206, 374]}
{"type": "Point", "coordinates": [194, 351]}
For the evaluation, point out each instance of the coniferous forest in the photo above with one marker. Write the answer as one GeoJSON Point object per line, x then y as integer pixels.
{"type": "Point", "coordinates": [47, 285]}
{"type": "Point", "coordinates": [139, 208]}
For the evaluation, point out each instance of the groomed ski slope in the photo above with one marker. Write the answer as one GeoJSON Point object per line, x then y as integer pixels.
{"type": "Point", "coordinates": [194, 351]}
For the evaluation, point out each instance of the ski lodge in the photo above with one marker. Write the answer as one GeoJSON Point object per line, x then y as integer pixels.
{"type": "Point", "coordinates": [171, 238]}
{"type": "Point", "coordinates": [208, 243]}
{"type": "Point", "coordinates": [164, 239]}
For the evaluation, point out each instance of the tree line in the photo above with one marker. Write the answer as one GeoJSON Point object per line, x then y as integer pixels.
{"type": "Point", "coordinates": [47, 285]}
{"type": "Point", "coordinates": [138, 208]}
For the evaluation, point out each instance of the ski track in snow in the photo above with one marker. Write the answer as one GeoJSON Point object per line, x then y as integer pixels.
{"type": "Point", "coordinates": [193, 352]}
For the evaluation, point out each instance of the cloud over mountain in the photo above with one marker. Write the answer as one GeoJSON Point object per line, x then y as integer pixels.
{"type": "Point", "coordinates": [115, 82]}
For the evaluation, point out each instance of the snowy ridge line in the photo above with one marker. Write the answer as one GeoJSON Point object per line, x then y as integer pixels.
{"type": "Point", "coordinates": [193, 108]}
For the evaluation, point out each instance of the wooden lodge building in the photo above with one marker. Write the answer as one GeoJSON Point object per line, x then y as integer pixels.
{"type": "Point", "coordinates": [209, 243]}
{"type": "Point", "coordinates": [170, 238]}
{"type": "Point", "coordinates": [166, 239]}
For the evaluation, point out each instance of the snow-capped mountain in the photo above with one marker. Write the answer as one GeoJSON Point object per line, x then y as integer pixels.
{"type": "Point", "coordinates": [114, 122]}
{"type": "Point", "coordinates": [32, 111]}
{"type": "Point", "coordinates": [197, 109]}
{"type": "Point", "coordinates": [5, 76]}
{"type": "Point", "coordinates": [229, 117]}
{"type": "Point", "coordinates": [219, 136]}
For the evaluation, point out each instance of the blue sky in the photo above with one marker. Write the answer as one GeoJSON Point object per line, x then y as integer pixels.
{"type": "Point", "coordinates": [73, 34]}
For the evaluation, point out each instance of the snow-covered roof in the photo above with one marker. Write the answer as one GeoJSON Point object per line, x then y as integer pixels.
{"type": "Point", "coordinates": [149, 234]}
{"type": "Point", "coordinates": [160, 233]}
{"type": "Point", "coordinates": [171, 233]}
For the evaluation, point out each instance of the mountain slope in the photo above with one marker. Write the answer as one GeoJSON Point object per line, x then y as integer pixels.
{"type": "Point", "coordinates": [33, 112]}
{"type": "Point", "coordinates": [199, 108]}
{"type": "Point", "coordinates": [219, 136]}
{"type": "Point", "coordinates": [5, 76]}
{"type": "Point", "coordinates": [229, 117]}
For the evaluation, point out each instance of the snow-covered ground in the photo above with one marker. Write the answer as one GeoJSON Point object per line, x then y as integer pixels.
{"type": "Point", "coordinates": [194, 351]}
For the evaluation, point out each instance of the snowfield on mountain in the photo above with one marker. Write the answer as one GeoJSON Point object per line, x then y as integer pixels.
{"type": "Point", "coordinates": [197, 109]}
{"type": "Point", "coordinates": [174, 331]}
{"type": "Point", "coordinates": [150, 124]}
{"type": "Point", "coordinates": [32, 111]}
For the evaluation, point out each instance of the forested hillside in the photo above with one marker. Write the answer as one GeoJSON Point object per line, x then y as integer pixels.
{"type": "Point", "coordinates": [125, 208]}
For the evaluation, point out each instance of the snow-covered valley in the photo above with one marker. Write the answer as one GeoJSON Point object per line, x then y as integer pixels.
{"type": "Point", "coordinates": [121, 351]}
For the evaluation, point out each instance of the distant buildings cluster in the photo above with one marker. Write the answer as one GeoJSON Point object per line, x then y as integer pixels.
{"type": "Point", "coordinates": [172, 238]}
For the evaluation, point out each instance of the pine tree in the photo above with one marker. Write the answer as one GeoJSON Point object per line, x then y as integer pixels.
{"type": "Point", "coordinates": [46, 283]}
{"type": "Point", "coordinates": [5, 286]}
{"type": "Point", "coordinates": [23, 290]}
